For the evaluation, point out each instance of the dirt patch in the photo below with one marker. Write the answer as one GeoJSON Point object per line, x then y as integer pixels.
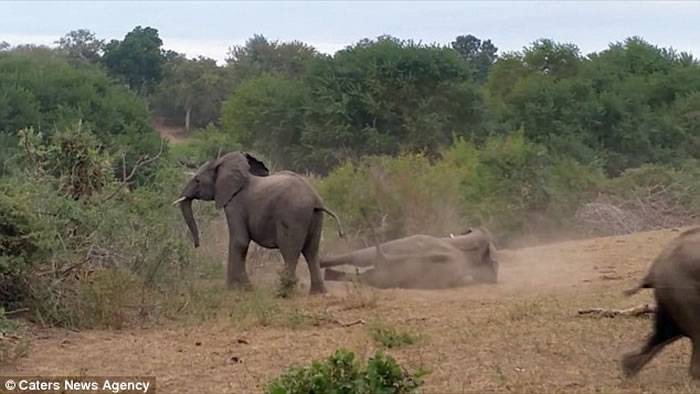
{"type": "Point", "coordinates": [521, 335]}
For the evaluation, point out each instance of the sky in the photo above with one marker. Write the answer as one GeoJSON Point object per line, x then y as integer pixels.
{"type": "Point", "coordinates": [209, 28]}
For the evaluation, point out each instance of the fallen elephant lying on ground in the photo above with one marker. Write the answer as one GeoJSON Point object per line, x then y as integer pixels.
{"type": "Point", "coordinates": [421, 261]}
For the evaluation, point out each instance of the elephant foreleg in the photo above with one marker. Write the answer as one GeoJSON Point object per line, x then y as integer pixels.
{"type": "Point", "coordinates": [236, 275]}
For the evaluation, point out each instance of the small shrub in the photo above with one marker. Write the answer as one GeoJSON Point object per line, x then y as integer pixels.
{"type": "Point", "coordinates": [391, 337]}
{"type": "Point", "coordinates": [342, 374]}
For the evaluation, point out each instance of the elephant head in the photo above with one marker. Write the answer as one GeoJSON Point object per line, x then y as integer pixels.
{"type": "Point", "coordinates": [218, 180]}
{"type": "Point", "coordinates": [487, 270]}
{"type": "Point", "coordinates": [478, 242]}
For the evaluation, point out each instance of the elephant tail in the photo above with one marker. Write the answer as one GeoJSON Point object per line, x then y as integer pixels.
{"type": "Point", "coordinates": [646, 283]}
{"type": "Point", "coordinates": [341, 234]}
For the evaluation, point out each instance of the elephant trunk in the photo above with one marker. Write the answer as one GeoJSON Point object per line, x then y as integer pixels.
{"type": "Point", "coordinates": [186, 208]}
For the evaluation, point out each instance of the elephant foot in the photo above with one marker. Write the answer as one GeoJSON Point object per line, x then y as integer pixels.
{"type": "Point", "coordinates": [317, 289]}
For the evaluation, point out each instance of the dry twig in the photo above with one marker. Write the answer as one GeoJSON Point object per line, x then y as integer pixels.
{"type": "Point", "coordinates": [635, 311]}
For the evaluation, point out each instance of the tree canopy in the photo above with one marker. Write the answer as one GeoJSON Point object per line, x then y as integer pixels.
{"type": "Point", "coordinates": [138, 59]}
{"type": "Point", "coordinates": [631, 104]}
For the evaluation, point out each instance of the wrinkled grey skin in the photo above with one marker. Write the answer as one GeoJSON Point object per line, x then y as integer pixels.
{"type": "Point", "coordinates": [675, 277]}
{"type": "Point", "coordinates": [422, 261]}
{"type": "Point", "coordinates": [279, 211]}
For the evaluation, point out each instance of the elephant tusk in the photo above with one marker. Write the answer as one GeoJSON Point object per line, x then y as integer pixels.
{"type": "Point", "coordinates": [452, 235]}
{"type": "Point", "coordinates": [179, 200]}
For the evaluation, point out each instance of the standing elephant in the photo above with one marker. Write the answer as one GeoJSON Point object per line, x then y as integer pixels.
{"type": "Point", "coordinates": [422, 261]}
{"type": "Point", "coordinates": [675, 277]}
{"type": "Point", "coordinates": [279, 211]}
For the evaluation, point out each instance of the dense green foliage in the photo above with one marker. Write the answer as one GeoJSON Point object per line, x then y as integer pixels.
{"type": "Point", "coordinates": [47, 93]}
{"type": "Point", "coordinates": [138, 59]}
{"type": "Point", "coordinates": [266, 114]}
{"type": "Point", "coordinates": [377, 97]}
{"type": "Point", "coordinates": [64, 219]}
{"type": "Point", "coordinates": [631, 104]}
{"type": "Point", "coordinates": [341, 373]}
{"type": "Point", "coordinates": [625, 105]}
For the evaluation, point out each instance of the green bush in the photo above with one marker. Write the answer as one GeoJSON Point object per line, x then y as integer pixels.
{"type": "Point", "coordinates": [342, 374]}
{"type": "Point", "coordinates": [48, 93]}
{"type": "Point", "coordinates": [76, 247]}
{"type": "Point", "coordinates": [74, 157]}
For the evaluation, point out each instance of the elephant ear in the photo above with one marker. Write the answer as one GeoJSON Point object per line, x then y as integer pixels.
{"type": "Point", "coordinates": [257, 167]}
{"type": "Point", "coordinates": [232, 171]}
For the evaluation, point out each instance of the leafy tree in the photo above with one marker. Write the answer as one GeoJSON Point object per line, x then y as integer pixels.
{"type": "Point", "coordinates": [552, 58]}
{"type": "Point", "coordinates": [386, 95]}
{"type": "Point", "coordinates": [259, 55]}
{"type": "Point", "coordinates": [47, 93]}
{"type": "Point", "coordinates": [612, 105]}
{"type": "Point", "coordinates": [4, 46]}
{"type": "Point", "coordinates": [479, 54]}
{"type": "Point", "coordinates": [267, 114]}
{"type": "Point", "coordinates": [81, 45]}
{"type": "Point", "coordinates": [138, 59]}
{"type": "Point", "coordinates": [194, 89]}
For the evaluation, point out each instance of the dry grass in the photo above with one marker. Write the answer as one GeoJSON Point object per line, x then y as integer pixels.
{"type": "Point", "coordinates": [523, 335]}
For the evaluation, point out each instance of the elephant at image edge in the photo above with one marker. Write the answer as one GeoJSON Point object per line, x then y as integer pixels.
{"type": "Point", "coordinates": [675, 277]}
{"type": "Point", "coordinates": [277, 211]}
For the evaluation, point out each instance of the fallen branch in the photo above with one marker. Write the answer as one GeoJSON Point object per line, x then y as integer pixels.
{"type": "Point", "coordinates": [348, 324]}
{"type": "Point", "coordinates": [636, 311]}
{"type": "Point", "coordinates": [327, 317]}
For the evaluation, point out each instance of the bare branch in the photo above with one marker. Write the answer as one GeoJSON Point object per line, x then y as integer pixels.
{"type": "Point", "coordinates": [142, 162]}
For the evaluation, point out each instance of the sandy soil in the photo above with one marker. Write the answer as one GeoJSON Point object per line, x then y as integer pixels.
{"type": "Point", "coordinates": [521, 335]}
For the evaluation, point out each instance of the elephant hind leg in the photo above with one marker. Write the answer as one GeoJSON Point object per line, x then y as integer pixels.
{"type": "Point", "coordinates": [665, 331]}
{"type": "Point", "coordinates": [310, 252]}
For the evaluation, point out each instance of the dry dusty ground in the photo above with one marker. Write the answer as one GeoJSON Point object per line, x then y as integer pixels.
{"type": "Point", "coordinates": [522, 335]}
